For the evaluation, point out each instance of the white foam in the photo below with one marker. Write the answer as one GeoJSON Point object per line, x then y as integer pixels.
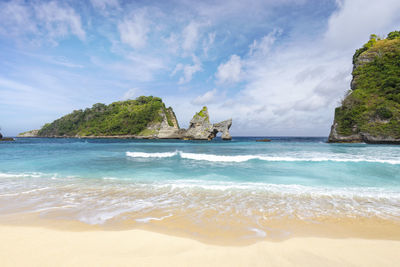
{"type": "Point", "coordinates": [258, 232]}
{"type": "Point", "coordinates": [244, 158]}
{"type": "Point", "coordinates": [147, 219]}
{"type": "Point", "coordinates": [151, 155]}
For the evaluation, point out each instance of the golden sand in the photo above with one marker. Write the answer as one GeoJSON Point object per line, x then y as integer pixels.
{"type": "Point", "coordinates": [38, 246]}
{"type": "Point", "coordinates": [27, 240]}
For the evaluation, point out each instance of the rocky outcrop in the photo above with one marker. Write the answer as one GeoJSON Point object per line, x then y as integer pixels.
{"type": "Point", "coordinates": [2, 138]}
{"type": "Point", "coordinates": [370, 112]}
{"type": "Point", "coordinates": [168, 128]}
{"type": "Point", "coordinates": [33, 133]}
{"type": "Point", "coordinates": [223, 127]}
{"type": "Point", "coordinates": [335, 137]}
{"type": "Point", "coordinates": [200, 127]}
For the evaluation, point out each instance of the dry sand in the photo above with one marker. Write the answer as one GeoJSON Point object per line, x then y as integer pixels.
{"type": "Point", "coordinates": [38, 246]}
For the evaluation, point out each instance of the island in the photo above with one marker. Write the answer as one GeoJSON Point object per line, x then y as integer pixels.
{"type": "Point", "coordinates": [370, 112]}
{"type": "Point", "coordinates": [146, 117]}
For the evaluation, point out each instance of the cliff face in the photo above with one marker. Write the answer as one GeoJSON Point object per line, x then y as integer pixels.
{"type": "Point", "coordinates": [200, 127]}
{"type": "Point", "coordinates": [145, 117]}
{"type": "Point", "coordinates": [371, 110]}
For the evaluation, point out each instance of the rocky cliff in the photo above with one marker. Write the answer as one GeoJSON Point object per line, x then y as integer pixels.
{"type": "Point", "coordinates": [200, 127]}
{"type": "Point", "coordinates": [145, 117]}
{"type": "Point", "coordinates": [371, 110]}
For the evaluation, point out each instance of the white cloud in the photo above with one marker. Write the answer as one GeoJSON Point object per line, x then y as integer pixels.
{"type": "Point", "coordinates": [229, 71]}
{"type": "Point", "coordinates": [59, 20]}
{"type": "Point", "coordinates": [187, 70]}
{"type": "Point", "coordinates": [263, 46]}
{"type": "Point", "coordinates": [191, 35]}
{"type": "Point", "coordinates": [131, 94]}
{"type": "Point", "coordinates": [35, 21]}
{"type": "Point", "coordinates": [207, 98]}
{"type": "Point", "coordinates": [16, 19]}
{"type": "Point", "coordinates": [133, 30]}
{"type": "Point", "coordinates": [355, 20]}
{"type": "Point", "coordinates": [294, 88]}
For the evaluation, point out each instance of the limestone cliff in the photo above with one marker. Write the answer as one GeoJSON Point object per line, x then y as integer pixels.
{"type": "Point", "coordinates": [370, 112]}
{"type": "Point", "coordinates": [200, 127]}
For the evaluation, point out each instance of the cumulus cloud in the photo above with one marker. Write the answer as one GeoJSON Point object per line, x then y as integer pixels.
{"type": "Point", "coordinates": [229, 71]}
{"type": "Point", "coordinates": [355, 20]}
{"type": "Point", "coordinates": [133, 29]}
{"type": "Point", "coordinates": [293, 89]}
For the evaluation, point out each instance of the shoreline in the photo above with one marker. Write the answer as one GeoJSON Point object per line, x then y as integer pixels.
{"type": "Point", "coordinates": [43, 246]}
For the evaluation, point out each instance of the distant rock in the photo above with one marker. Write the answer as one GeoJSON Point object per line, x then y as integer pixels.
{"type": "Point", "coordinates": [223, 127]}
{"type": "Point", "coordinates": [33, 133]}
{"type": "Point", "coordinates": [5, 138]}
{"type": "Point", "coordinates": [263, 140]}
{"type": "Point", "coordinates": [200, 127]}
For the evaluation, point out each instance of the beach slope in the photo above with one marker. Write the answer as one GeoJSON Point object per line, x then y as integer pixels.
{"type": "Point", "coordinates": [35, 246]}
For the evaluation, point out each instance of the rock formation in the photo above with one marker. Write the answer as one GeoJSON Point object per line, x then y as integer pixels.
{"type": "Point", "coordinates": [1, 136]}
{"type": "Point", "coordinates": [370, 112]}
{"type": "Point", "coordinates": [200, 127]}
{"type": "Point", "coordinates": [168, 128]}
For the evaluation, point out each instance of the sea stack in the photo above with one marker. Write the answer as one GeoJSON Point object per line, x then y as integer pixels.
{"type": "Point", "coordinates": [370, 112]}
{"type": "Point", "coordinates": [200, 127]}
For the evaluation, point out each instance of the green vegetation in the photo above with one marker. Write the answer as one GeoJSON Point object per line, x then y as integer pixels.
{"type": "Point", "coordinates": [169, 113]}
{"type": "Point", "coordinates": [203, 113]}
{"type": "Point", "coordinates": [129, 117]}
{"type": "Point", "coordinates": [373, 106]}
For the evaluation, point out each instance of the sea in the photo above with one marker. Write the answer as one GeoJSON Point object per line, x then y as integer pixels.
{"type": "Point", "coordinates": [242, 187]}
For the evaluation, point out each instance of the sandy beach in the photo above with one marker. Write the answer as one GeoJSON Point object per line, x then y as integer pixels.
{"type": "Point", "coordinates": [38, 246]}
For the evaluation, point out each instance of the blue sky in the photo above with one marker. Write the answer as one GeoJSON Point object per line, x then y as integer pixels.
{"type": "Point", "coordinates": [275, 67]}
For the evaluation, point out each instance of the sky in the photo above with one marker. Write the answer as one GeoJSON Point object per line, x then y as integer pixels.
{"type": "Point", "coordinates": [277, 68]}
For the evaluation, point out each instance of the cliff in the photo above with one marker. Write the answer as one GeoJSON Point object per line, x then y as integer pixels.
{"type": "Point", "coordinates": [200, 127]}
{"type": "Point", "coordinates": [144, 117]}
{"type": "Point", "coordinates": [370, 112]}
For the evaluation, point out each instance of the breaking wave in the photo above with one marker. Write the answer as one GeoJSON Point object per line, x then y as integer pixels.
{"type": "Point", "coordinates": [244, 158]}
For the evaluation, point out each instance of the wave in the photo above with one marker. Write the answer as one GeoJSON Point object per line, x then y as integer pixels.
{"type": "Point", "coordinates": [244, 158]}
{"type": "Point", "coordinates": [151, 155]}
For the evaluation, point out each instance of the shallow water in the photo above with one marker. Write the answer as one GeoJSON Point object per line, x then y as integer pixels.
{"type": "Point", "coordinates": [239, 186]}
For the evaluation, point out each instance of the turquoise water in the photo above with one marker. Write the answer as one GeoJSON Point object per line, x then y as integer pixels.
{"type": "Point", "coordinates": [97, 181]}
